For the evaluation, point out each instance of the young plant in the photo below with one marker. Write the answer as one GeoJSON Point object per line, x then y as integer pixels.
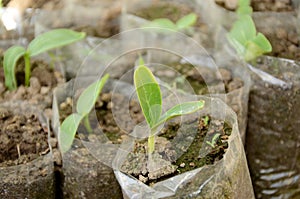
{"type": "Point", "coordinates": [84, 105]}
{"type": "Point", "coordinates": [214, 140]}
{"type": "Point", "coordinates": [243, 35]}
{"type": "Point", "coordinates": [150, 99]}
{"type": "Point", "coordinates": [184, 23]}
{"type": "Point", "coordinates": [42, 43]}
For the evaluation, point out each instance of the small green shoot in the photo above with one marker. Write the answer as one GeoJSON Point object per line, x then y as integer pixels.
{"type": "Point", "coordinates": [183, 23]}
{"type": "Point", "coordinates": [150, 99]}
{"type": "Point", "coordinates": [84, 105]}
{"type": "Point", "coordinates": [42, 43]}
{"type": "Point", "coordinates": [214, 140]}
{"type": "Point", "coordinates": [206, 120]}
{"type": "Point", "coordinates": [243, 35]}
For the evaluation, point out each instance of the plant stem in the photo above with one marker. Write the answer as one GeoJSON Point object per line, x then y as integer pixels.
{"type": "Point", "coordinates": [27, 69]}
{"type": "Point", "coordinates": [151, 141]}
{"type": "Point", "coordinates": [87, 124]}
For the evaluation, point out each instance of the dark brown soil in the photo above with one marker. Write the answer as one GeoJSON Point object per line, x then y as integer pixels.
{"type": "Point", "coordinates": [22, 138]}
{"type": "Point", "coordinates": [137, 162]}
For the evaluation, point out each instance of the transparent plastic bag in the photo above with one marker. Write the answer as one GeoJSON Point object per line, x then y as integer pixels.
{"type": "Point", "coordinates": [273, 128]}
{"type": "Point", "coordinates": [84, 175]}
{"type": "Point", "coordinates": [35, 179]}
{"type": "Point", "coordinates": [227, 178]}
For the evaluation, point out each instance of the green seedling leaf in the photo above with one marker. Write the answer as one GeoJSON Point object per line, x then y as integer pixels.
{"type": "Point", "coordinates": [68, 130]}
{"type": "Point", "coordinates": [214, 140]}
{"type": "Point", "coordinates": [245, 10]}
{"type": "Point", "coordinates": [161, 23]}
{"type": "Point", "coordinates": [181, 109]}
{"type": "Point", "coordinates": [148, 93]}
{"type": "Point", "coordinates": [53, 39]}
{"type": "Point", "coordinates": [186, 21]}
{"type": "Point", "coordinates": [11, 57]}
{"type": "Point", "coordinates": [243, 3]}
{"type": "Point", "coordinates": [263, 43]}
{"type": "Point", "coordinates": [89, 96]}
{"type": "Point", "coordinates": [243, 30]}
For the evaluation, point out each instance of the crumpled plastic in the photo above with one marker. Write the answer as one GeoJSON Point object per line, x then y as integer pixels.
{"type": "Point", "coordinates": [227, 178]}
{"type": "Point", "coordinates": [272, 142]}
{"type": "Point", "coordinates": [22, 183]}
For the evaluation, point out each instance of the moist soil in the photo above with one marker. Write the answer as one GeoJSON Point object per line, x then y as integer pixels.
{"type": "Point", "coordinates": [22, 138]}
{"type": "Point", "coordinates": [164, 157]}
{"type": "Point", "coordinates": [26, 163]}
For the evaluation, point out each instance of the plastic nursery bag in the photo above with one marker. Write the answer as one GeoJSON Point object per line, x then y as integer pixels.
{"type": "Point", "coordinates": [227, 178]}
{"type": "Point", "coordinates": [84, 175]}
{"type": "Point", "coordinates": [34, 179]}
{"type": "Point", "coordinates": [272, 142]}
{"type": "Point", "coordinates": [139, 14]}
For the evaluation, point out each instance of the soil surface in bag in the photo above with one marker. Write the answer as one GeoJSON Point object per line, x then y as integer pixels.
{"type": "Point", "coordinates": [26, 164]}
{"type": "Point", "coordinates": [260, 5]}
{"type": "Point", "coordinates": [164, 163]}
{"type": "Point", "coordinates": [22, 138]}
{"type": "Point", "coordinates": [43, 80]}
{"type": "Point", "coordinates": [172, 11]}
{"type": "Point", "coordinates": [272, 143]}
{"type": "Point", "coordinates": [207, 129]}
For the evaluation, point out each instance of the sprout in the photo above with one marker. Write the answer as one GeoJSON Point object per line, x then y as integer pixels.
{"type": "Point", "coordinates": [150, 99]}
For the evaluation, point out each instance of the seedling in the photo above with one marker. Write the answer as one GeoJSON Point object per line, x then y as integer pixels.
{"type": "Point", "coordinates": [214, 140]}
{"type": "Point", "coordinates": [243, 35]}
{"type": "Point", "coordinates": [150, 99]}
{"type": "Point", "coordinates": [42, 43]}
{"type": "Point", "coordinates": [183, 23]}
{"type": "Point", "coordinates": [84, 105]}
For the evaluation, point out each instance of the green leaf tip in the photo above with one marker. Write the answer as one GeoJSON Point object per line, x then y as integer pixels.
{"type": "Point", "coordinates": [10, 59]}
{"type": "Point", "coordinates": [89, 96]}
{"type": "Point", "coordinates": [186, 21]}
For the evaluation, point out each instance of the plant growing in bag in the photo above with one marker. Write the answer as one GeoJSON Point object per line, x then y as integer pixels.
{"type": "Point", "coordinates": [150, 99]}
{"type": "Point", "coordinates": [184, 23]}
{"type": "Point", "coordinates": [42, 43]}
{"type": "Point", "coordinates": [243, 35]}
{"type": "Point", "coordinates": [84, 105]}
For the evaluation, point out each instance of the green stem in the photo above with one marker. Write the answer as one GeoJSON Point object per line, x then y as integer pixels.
{"type": "Point", "coordinates": [151, 141]}
{"type": "Point", "coordinates": [27, 69]}
{"type": "Point", "coordinates": [87, 124]}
